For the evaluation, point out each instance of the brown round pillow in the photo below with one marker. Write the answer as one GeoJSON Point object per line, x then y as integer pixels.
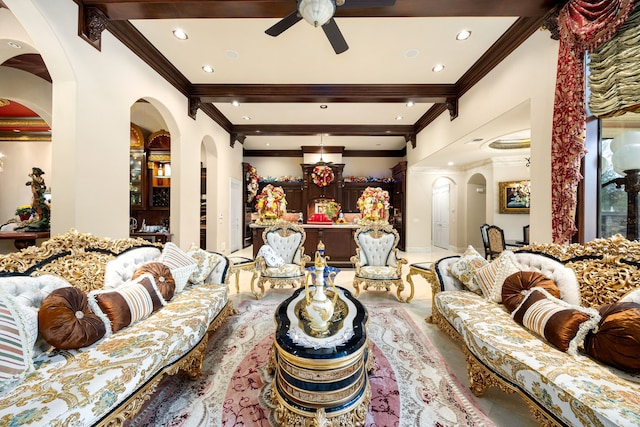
{"type": "Point", "coordinates": [616, 341]}
{"type": "Point", "coordinates": [515, 284]}
{"type": "Point", "coordinates": [162, 275]}
{"type": "Point", "coordinates": [65, 320]}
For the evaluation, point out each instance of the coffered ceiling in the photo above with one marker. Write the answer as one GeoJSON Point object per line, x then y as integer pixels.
{"type": "Point", "coordinates": [292, 88]}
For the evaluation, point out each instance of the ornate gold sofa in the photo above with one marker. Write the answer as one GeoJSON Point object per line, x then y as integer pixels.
{"type": "Point", "coordinates": [106, 383]}
{"type": "Point", "coordinates": [559, 388]}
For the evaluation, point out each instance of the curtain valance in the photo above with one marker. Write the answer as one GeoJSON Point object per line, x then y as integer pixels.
{"type": "Point", "coordinates": [583, 25]}
{"type": "Point", "coordinates": [614, 71]}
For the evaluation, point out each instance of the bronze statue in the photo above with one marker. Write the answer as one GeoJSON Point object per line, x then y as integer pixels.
{"type": "Point", "coordinates": [38, 203]}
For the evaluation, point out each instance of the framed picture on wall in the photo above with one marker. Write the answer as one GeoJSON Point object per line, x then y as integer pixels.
{"type": "Point", "coordinates": [514, 197]}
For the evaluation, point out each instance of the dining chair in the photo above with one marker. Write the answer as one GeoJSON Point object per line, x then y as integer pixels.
{"type": "Point", "coordinates": [485, 239]}
{"type": "Point", "coordinates": [496, 243]}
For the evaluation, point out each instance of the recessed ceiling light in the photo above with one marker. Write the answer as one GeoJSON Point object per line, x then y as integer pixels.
{"type": "Point", "coordinates": [246, 118]}
{"type": "Point", "coordinates": [232, 54]}
{"type": "Point", "coordinates": [323, 106]}
{"type": "Point", "coordinates": [180, 34]}
{"type": "Point", "coordinates": [410, 104]}
{"type": "Point", "coordinates": [449, 163]}
{"type": "Point", "coordinates": [399, 117]}
{"type": "Point", "coordinates": [207, 68]}
{"type": "Point", "coordinates": [15, 45]}
{"type": "Point", "coordinates": [411, 53]}
{"type": "Point", "coordinates": [268, 144]}
{"type": "Point", "coordinates": [463, 35]}
{"type": "Point", "coordinates": [235, 103]}
{"type": "Point", "coordinates": [438, 68]}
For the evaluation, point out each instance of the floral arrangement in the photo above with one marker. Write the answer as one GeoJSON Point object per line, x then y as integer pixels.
{"type": "Point", "coordinates": [271, 203]}
{"type": "Point", "coordinates": [386, 180]}
{"type": "Point", "coordinates": [374, 204]}
{"type": "Point", "coordinates": [332, 209]}
{"type": "Point", "coordinates": [252, 183]}
{"type": "Point", "coordinates": [523, 192]}
{"type": "Point", "coordinates": [322, 175]}
{"type": "Point", "coordinates": [285, 178]}
{"type": "Point", "coordinates": [24, 210]}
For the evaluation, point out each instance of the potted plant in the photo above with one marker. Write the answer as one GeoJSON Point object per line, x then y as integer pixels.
{"type": "Point", "coordinates": [24, 212]}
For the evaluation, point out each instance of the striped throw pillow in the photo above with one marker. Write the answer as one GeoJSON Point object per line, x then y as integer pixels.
{"type": "Point", "coordinates": [180, 264]}
{"type": "Point", "coordinates": [562, 324]}
{"type": "Point", "coordinates": [491, 277]}
{"type": "Point", "coordinates": [127, 304]}
{"type": "Point", "coordinates": [16, 342]}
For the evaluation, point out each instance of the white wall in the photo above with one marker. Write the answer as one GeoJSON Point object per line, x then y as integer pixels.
{"type": "Point", "coordinates": [527, 75]}
{"type": "Point", "coordinates": [92, 94]}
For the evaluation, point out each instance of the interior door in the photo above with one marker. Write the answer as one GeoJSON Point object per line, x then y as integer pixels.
{"type": "Point", "coordinates": [235, 215]}
{"type": "Point", "coordinates": [440, 216]}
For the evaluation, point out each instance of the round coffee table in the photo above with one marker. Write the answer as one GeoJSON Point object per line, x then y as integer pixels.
{"type": "Point", "coordinates": [320, 378]}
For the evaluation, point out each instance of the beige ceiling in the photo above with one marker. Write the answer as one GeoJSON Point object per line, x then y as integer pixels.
{"type": "Point", "coordinates": [381, 51]}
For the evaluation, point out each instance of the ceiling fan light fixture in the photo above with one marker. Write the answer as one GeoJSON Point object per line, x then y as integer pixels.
{"type": "Point", "coordinates": [317, 12]}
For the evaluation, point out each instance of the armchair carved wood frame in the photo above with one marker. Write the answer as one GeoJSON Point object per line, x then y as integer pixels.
{"type": "Point", "coordinates": [287, 240]}
{"type": "Point", "coordinates": [376, 260]}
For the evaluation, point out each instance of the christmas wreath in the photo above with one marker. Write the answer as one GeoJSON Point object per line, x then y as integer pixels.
{"type": "Point", "coordinates": [322, 175]}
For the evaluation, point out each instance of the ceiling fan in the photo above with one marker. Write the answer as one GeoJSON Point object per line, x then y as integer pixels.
{"type": "Point", "coordinates": [320, 13]}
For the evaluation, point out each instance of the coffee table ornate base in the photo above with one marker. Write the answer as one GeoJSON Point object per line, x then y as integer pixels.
{"type": "Point", "coordinates": [321, 380]}
{"type": "Point", "coordinates": [290, 416]}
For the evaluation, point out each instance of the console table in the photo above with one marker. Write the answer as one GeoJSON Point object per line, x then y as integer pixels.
{"type": "Point", "coordinates": [321, 378]}
{"type": "Point", "coordinates": [22, 239]}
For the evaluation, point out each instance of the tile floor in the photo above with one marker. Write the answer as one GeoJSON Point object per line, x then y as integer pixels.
{"type": "Point", "coordinates": [506, 410]}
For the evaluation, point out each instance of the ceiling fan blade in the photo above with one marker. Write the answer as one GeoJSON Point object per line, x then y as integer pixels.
{"type": "Point", "coordinates": [335, 37]}
{"type": "Point", "coordinates": [284, 24]}
{"type": "Point", "coordinates": [363, 4]}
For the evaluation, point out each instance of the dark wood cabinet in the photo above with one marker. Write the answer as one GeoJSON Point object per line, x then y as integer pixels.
{"type": "Point", "coordinates": [399, 204]}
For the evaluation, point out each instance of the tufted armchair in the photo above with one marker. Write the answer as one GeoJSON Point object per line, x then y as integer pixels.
{"type": "Point", "coordinates": [281, 260]}
{"type": "Point", "coordinates": [376, 260]}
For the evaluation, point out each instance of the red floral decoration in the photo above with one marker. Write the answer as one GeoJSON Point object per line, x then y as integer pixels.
{"type": "Point", "coordinates": [322, 175]}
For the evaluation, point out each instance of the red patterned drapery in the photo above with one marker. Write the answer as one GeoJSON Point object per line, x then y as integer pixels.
{"type": "Point", "coordinates": [583, 25]}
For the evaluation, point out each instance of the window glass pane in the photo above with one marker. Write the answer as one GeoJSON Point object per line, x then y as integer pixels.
{"type": "Point", "coordinates": [613, 200]}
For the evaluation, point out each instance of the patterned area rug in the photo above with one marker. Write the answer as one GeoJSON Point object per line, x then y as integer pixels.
{"type": "Point", "coordinates": [411, 385]}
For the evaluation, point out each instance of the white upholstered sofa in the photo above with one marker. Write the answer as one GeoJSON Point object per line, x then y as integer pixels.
{"type": "Point", "coordinates": [560, 387]}
{"type": "Point", "coordinates": [105, 382]}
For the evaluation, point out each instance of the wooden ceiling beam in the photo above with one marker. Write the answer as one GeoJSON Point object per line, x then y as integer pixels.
{"type": "Point", "coordinates": [171, 9]}
{"type": "Point", "coordinates": [335, 130]}
{"type": "Point", "coordinates": [319, 93]}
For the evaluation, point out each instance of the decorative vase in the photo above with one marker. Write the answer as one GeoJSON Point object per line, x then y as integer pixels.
{"type": "Point", "coordinates": [24, 217]}
{"type": "Point", "coordinates": [319, 308]}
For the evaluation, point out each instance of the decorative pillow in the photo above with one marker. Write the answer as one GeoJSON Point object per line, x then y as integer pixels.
{"type": "Point", "coordinates": [562, 324]}
{"type": "Point", "coordinates": [515, 286]}
{"type": "Point", "coordinates": [206, 261]}
{"type": "Point", "coordinates": [633, 296]}
{"type": "Point", "coordinates": [129, 303]}
{"type": "Point", "coordinates": [162, 277]}
{"type": "Point", "coordinates": [270, 256]}
{"type": "Point", "coordinates": [616, 341]}
{"type": "Point", "coordinates": [563, 276]}
{"type": "Point", "coordinates": [18, 333]}
{"type": "Point", "coordinates": [180, 264]}
{"type": "Point", "coordinates": [466, 266]}
{"type": "Point", "coordinates": [65, 320]}
{"type": "Point", "coordinates": [491, 276]}
{"type": "Point", "coordinates": [120, 270]}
